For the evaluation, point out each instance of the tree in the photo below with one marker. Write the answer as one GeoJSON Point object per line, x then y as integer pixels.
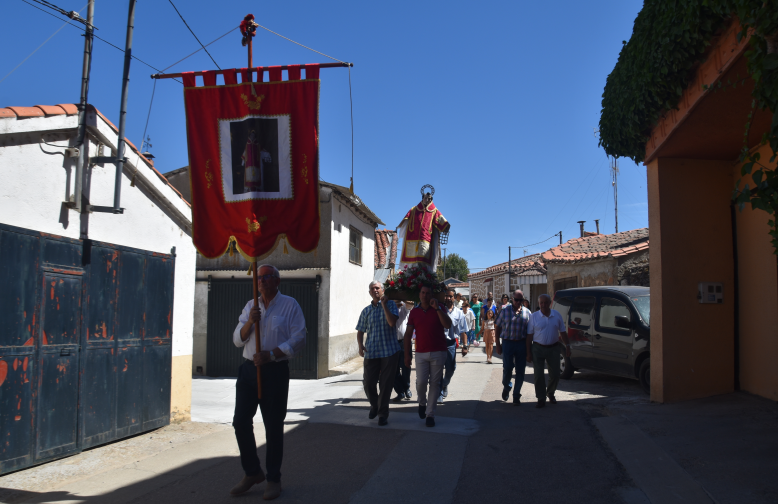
{"type": "Point", "coordinates": [455, 267]}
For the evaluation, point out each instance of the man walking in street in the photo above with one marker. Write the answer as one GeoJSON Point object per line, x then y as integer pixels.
{"type": "Point", "coordinates": [457, 331]}
{"type": "Point", "coordinates": [402, 378]}
{"type": "Point", "coordinates": [543, 333]}
{"type": "Point", "coordinates": [381, 350]}
{"type": "Point", "coordinates": [282, 329]}
{"type": "Point", "coordinates": [511, 326]}
{"type": "Point", "coordinates": [430, 322]}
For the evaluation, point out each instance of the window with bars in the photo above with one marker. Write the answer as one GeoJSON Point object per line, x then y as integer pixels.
{"type": "Point", "coordinates": [355, 247]}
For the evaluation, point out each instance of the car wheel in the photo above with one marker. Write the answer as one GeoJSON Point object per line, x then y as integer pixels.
{"type": "Point", "coordinates": [565, 366]}
{"type": "Point", "coordinates": [644, 375]}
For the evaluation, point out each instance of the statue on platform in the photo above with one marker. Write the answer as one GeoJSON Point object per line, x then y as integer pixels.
{"type": "Point", "coordinates": [422, 231]}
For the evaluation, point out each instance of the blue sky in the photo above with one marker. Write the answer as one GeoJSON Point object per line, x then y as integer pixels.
{"type": "Point", "coordinates": [493, 103]}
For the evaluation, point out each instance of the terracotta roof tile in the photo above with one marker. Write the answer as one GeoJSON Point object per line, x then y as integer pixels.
{"type": "Point", "coordinates": [51, 110]}
{"type": "Point", "coordinates": [69, 108]}
{"type": "Point", "coordinates": [599, 246]}
{"type": "Point", "coordinates": [24, 112]}
{"type": "Point", "coordinates": [519, 266]}
{"type": "Point", "coordinates": [7, 113]}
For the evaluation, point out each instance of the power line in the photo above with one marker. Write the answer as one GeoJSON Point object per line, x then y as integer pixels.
{"type": "Point", "coordinates": [44, 42]}
{"type": "Point", "coordinates": [75, 16]}
{"type": "Point", "coordinates": [197, 51]}
{"type": "Point", "coordinates": [193, 34]}
{"type": "Point", "coordinates": [538, 243]}
{"type": "Point", "coordinates": [98, 38]}
{"type": "Point", "coordinates": [294, 42]}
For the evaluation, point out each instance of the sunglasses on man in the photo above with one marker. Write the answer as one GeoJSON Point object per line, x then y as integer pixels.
{"type": "Point", "coordinates": [519, 299]}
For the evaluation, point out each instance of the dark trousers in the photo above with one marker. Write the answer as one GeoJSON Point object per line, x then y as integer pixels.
{"type": "Point", "coordinates": [275, 392]}
{"type": "Point", "coordinates": [402, 378]}
{"type": "Point", "coordinates": [449, 367]}
{"type": "Point", "coordinates": [514, 353]}
{"type": "Point", "coordinates": [380, 371]}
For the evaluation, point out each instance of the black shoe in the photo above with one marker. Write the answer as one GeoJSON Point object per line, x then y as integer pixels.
{"type": "Point", "coordinates": [517, 400]}
{"type": "Point", "coordinates": [540, 404]}
{"type": "Point", "coordinates": [399, 397]}
{"type": "Point", "coordinates": [444, 392]}
{"type": "Point", "coordinates": [422, 411]}
{"type": "Point", "coordinates": [506, 391]}
{"type": "Point", "coordinates": [430, 421]}
{"type": "Point", "coordinates": [408, 394]}
{"type": "Point", "coordinates": [381, 421]}
{"type": "Point", "coordinates": [373, 413]}
{"type": "Point", "coordinates": [552, 399]}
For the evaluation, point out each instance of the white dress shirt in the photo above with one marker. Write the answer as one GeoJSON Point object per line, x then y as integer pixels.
{"type": "Point", "coordinates": [282, 325]}
{"type": "Point", "coordinates": [546, 329]}
{"type": "Point", "coordinates": [402, 320]}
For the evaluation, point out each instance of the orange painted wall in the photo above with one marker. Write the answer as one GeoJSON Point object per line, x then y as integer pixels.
{"type": "Point", "coordinates": [758, 300]}
{"type": "Point", "coordinates": [692, 344]}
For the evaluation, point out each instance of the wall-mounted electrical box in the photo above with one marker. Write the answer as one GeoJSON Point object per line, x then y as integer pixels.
{"type": "Point", "coordinates": [710, 292]}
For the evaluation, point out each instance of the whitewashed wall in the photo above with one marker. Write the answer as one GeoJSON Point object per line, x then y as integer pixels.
{"type": "Point", "coordinates": [349, 282]}
{"type": "Point", "coordinates": [37, 178]}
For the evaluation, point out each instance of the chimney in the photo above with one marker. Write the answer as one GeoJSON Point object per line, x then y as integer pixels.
{"type": "Point", "coordinates": [148, 155]}
{"type": "Point", "coordinates": [597, 221]}
{"type": "Point", "coordinates": [581, 223]}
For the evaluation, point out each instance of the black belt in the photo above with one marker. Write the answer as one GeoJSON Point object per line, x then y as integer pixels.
{"type": "Point", "coordinates": [270, 363]}
{"type": "Point", "coordinates": [547, 346]}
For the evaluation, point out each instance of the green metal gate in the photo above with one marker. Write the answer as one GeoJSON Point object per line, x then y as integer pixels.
{"type": "Point", "coordinates": [226, 299]}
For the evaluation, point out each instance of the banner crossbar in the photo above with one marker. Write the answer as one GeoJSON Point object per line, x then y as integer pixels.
{"type": "Point", "coordinates": [253, 69]}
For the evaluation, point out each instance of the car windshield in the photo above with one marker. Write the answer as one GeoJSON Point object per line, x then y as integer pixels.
{"type": "Point", "coordinates": [643, 304]}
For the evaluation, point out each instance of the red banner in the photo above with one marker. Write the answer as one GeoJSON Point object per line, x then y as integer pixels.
{"type": "Point", "coordinates": [254, 161]}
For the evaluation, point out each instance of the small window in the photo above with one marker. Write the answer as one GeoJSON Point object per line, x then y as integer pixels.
{"type": "Point", "coordinates": [610, 309]}
{"type": "Point", "coordinates": [355, 246]}
{"type": "Point", "coordinates": [581, 312]}
{"type": "Point", "coordinates": [565, 283]}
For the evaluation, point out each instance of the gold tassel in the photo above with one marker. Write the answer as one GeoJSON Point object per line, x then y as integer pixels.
{"type": "Point", "coordinates": [251, 267]}
{"type": "Point", "coordinates": [286, 251]}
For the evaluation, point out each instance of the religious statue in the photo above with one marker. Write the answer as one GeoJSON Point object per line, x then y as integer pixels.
{"type": "Point", "coordinates": [421, 231]}
{"type": "Point", "coordinates": [254, 157]}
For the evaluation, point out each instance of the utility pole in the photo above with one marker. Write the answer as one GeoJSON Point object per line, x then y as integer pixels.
{"type": "Point", "coordinates": [510, 269]}
{"type": "Point", "coordinates": [615, 183]}
{"type": "Point", "coordinates": [85, 71]}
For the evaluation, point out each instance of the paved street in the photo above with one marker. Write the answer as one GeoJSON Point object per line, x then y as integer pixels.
{"type": "Point", "coordinates": [603, 442]}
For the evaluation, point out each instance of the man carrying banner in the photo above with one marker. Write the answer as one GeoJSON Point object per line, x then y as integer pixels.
{"type": "Point", "coordinates": [282, 327]}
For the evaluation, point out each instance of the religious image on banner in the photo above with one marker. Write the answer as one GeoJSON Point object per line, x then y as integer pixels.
{"type": "Point", "coordinates": [254, 160]}
{"type": "Point", "coordinates": [421, 231]}
{"type": "Point", "coordinates": [259, 153]}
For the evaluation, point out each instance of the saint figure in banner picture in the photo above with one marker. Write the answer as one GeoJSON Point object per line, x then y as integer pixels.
{"type": "Point", "coordinates": [421, 231]}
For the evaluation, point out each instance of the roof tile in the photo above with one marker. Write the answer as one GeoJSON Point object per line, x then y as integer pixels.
{"type": "Point", "coordinates": [51, 110]}
{"type": "Point", "coordinates": [24, 112]}
{"type": "Point", "coordinates": [69, 108]}
{"type": "Point", "coordinates": [7, 113]}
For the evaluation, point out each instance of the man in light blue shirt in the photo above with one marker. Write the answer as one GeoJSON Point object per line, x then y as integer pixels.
{"type": "Point", "coordinates": [458, 330]}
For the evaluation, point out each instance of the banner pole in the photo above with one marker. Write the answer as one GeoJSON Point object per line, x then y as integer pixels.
{"type": "Point", "coordinates": [256, 331]}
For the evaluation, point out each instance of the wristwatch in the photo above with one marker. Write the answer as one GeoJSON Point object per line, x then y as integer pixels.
{"type": "Point", "coordinates": [272, 357]}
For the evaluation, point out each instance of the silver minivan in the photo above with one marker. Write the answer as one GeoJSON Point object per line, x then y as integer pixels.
{"type": "Point", "coordinates": [609, 329]}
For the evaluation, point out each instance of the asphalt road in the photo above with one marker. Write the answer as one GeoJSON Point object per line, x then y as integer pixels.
{"type": "Point", "coordinates": [595, 445]}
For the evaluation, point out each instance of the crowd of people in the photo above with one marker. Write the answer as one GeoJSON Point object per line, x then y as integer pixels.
{"type": "Point", "coordinates": [388, 331]}
{"type": "Point", "coordinates": [389, 335]}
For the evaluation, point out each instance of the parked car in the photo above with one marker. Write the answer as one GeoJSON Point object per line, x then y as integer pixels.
{"type": "Point", "coordinates": [609, 329]}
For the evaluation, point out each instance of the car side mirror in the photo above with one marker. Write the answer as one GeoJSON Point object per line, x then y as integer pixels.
{"type": "Point", "coordinates": [623, 322]}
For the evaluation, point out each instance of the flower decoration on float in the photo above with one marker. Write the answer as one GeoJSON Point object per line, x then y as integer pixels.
{"type": "Point", "coordinates": [406, 284]}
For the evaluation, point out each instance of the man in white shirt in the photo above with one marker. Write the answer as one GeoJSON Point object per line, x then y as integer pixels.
{"type": "Point", "coordinates": [402, 379]}
{"type": "Point", "coordinates": [457, 331]}
{"type": "Point", "coordinates": [282, 330]}
{"type": "Point", "coordinates": [543, 333]}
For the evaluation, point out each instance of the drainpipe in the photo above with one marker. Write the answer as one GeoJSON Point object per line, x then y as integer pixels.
{"type": "Point", "coordinates": [119, 160]}
{"type": "Point", "coordinates": [736, 294]}
{"type": "Point", "coordinates": [85, 71]}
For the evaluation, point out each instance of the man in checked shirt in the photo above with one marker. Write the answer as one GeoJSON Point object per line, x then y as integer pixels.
{"type": "Point", "coordinates": [381, 350]}
{"type": "Point", "coordinates": [511, 325]}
